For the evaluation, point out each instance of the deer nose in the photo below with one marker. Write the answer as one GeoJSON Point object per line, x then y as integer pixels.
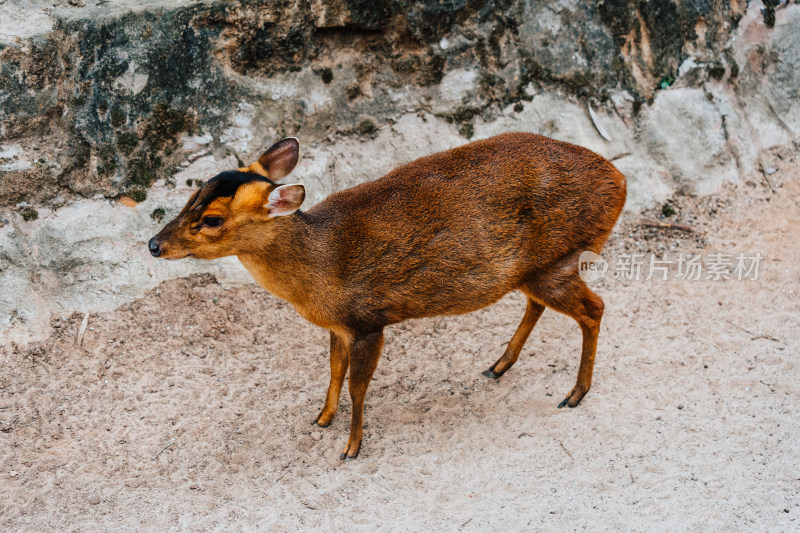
{"type": "Point", "coordinates": [155, 249]}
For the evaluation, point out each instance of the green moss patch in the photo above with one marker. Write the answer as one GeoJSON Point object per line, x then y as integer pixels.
{"type": "Point", "coordinates": [140, 172]}
{"type": "Point", "coordinates": [467, 130]}
{"type": "Point", "coordinates": [158, 214]}
{"type": "Point", "coordinates": [28, 213]}
{"type": "Point", "coordinates": [366, 127]}
{"type": "Point", "coordinates": [118, 117]}
{"type": "Point", "coordinates": [127, 142]}
{"type": "Point", "coordinates": [138, 194]}
{"type": "Point", "coordinates": [327, 75]}
{"type": "Point", "coordinates": [165, 125]}
{"type": "Point", "coordinates": [107, 160]}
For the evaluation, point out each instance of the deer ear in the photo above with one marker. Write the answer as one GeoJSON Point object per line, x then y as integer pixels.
{"type": "Point", "coordinates": [285, 200]}
{"type": "Point", "coordinates": [278, 161]}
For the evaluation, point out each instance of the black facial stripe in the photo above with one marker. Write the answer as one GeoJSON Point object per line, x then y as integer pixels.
{"type": "Point", "coordinates": [225, 184]}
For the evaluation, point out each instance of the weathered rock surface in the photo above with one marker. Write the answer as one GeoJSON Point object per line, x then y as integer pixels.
{"type": "Point", "coordinates": [100, 95]}
{"type": "Point", "coordinates": [141, 100]}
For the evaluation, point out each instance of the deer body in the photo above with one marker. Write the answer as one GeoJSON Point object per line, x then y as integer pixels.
{"type": "Point", "coordinates": [446, 234]}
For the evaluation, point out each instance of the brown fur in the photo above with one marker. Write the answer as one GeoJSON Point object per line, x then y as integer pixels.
{"type": "Point", "coordinates": [448, 233]}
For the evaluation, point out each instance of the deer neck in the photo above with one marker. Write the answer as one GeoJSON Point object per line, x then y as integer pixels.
{"type": "Point", "coordinates": [291, 264]}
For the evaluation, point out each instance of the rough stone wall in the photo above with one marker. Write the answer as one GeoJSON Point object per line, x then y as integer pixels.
{"type": "Point", "coordinates": [99, 102]}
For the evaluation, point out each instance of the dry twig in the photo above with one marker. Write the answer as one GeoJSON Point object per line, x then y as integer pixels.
{"type": "Point", "coordinates": [764, 173]}
{"type": "Point", "coordinates": [82, 329]}
{"type": "Point", "coordinates": [754, 336]}
{"type": "Point", "coordinates": [567, 452]}
{"type": "Point", "coordinates": [647, 223]}
{"type": "Point", "coordinates": [163, 450]}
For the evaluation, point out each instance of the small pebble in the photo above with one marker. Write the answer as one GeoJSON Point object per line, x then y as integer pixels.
{"type": "Point", "coordinates": [316, 435]}
{"type": "Point", "coordinates": [680, 406]}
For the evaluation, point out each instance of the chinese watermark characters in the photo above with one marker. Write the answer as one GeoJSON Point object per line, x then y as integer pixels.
{"type": "Point", "coordinates": [715, 266]}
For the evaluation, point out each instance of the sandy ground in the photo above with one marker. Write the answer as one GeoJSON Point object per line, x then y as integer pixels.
{"type": "Point", "coordinates": [190, 409]}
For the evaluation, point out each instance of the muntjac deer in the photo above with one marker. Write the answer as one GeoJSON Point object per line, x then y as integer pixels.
{"type": "Point", "coordinates": [449, 233]}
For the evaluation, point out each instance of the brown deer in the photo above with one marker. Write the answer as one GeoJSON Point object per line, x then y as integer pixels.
{"type": "Point", "coordinates": [449, 233]}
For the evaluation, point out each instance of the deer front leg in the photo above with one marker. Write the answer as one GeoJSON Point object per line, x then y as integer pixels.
{"type": "Point", "coordinates": [340, 360]}
{"type": "Point", "coordinates": [364, 354]}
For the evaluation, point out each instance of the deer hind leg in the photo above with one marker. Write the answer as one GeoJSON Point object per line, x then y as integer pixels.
{"type": "Point", "coordinates": [340, 360]}
{"type": "Point", "coordinates": [510, 356]}
{"type": "Point", "coordinates": [565, 292]}
{"type": "Point", "coordinates": [364, 355]}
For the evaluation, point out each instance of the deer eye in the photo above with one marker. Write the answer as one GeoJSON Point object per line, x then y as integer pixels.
{"type": "Point", "coordinates": [212, 222]}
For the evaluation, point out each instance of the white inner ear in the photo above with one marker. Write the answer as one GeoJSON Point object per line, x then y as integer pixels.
{"type": "Point", "coordinates": [284, 201]}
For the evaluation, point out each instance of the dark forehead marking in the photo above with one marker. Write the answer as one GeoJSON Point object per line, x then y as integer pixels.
{"type": "Point", "coordinates": [225, 184]}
